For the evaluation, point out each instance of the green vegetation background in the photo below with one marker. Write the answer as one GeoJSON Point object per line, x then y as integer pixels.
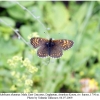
{"type": "Point", "coordinates": [79, 22]}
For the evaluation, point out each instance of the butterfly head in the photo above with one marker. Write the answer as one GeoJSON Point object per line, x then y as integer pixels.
{"type": "Point", "coordinates": [49, 43]}
{"type": "Point", "coordinates": [50, 39]}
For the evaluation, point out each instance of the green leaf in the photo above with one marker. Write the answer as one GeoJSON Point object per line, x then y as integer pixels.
{"type": "Point", "coordinates": [7, 4]}
{"type": "Point", "coordinates": [8, 49]}
{"type": "Point", "coordinates": [7, 21]}
{"type": "Point", "coordinates": [26, 3]}
{"type": "Point", "coordinates": [26, 31]}
{"type": "Point", "coordinates": [57, 17]}
{"type": "Point", "coordinates": [16, 12]}
{"type": "Point", "coordinates": [81, 13]}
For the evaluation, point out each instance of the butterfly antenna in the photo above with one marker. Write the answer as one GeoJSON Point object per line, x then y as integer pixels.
{"type": "Point", "coordinates": [47, 35]}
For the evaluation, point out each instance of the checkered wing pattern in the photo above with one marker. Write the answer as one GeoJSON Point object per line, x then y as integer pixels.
{"type": "Point", "coordinates": [64, 44]}
{"type": "Point", "coordinates": [42, 51]}
{"type": "Point", "coordinates": [36, 41]}
{"type": "Point", "coordinates": [56, 51]}
{"type": "Point", "coordinates": [53, 49]}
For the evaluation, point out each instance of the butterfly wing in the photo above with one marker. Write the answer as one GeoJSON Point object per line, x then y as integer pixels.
{"type": "Point", "coordinates": [42, 51]}
{"type": "Point", "coordinates": [56, 51]}
{"type": "Point", "coordinates": [64, 44]}
{"type": "Point", "coordinates": [36, 41]}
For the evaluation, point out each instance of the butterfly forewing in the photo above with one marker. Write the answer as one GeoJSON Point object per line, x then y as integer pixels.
{"type": "Point", "coordinates": [36, 41]}
{"type": "Point", "coordinates": [42, 51]}
{"type": "Point", "coordinates": [64, 44]}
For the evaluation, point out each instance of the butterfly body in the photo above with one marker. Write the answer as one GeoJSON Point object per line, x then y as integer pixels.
{"type": "Point", "coordinates": [52, 48]}
{"type": "Point", "coordinates": [49, 45]}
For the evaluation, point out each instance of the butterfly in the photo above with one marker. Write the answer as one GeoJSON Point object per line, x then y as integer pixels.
{"type": "Point", "coordinates": [52, 48]}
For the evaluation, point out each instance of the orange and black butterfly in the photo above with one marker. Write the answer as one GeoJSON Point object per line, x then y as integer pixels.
{"type": "Point", "coordinates": [52, 48]}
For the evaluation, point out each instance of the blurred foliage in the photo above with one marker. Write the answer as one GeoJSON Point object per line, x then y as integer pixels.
{"type": "Point", "coordinates": [77, 21]}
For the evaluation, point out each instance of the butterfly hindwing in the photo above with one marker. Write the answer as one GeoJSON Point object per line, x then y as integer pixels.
{"type": "Point", "coordinates": [42, 51]}
{"type": "Point", "coordinates": [56, 51]}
